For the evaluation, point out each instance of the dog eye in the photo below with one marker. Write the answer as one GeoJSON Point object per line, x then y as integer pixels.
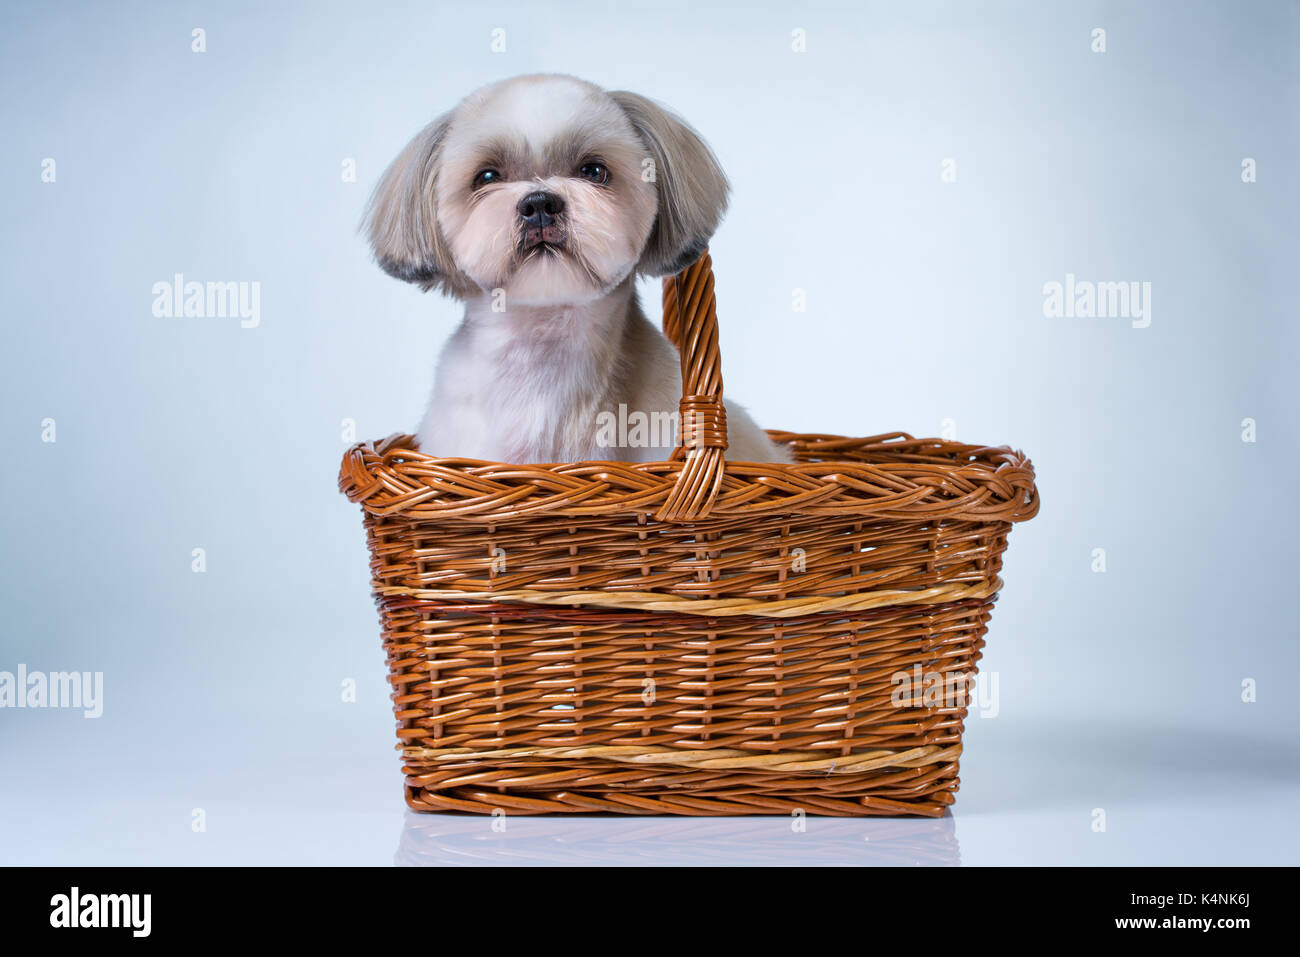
{"type": "Point", "coordinates": [486, 176]}
{"type": "Point", "coordinates": [597, 173]}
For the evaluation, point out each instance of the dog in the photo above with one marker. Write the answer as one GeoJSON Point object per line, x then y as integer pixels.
{"type": "Point", "coordinates": [537, 201]}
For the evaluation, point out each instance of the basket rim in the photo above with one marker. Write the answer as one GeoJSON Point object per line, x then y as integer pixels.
{"type": "Point", "coordinates": [892, 476]}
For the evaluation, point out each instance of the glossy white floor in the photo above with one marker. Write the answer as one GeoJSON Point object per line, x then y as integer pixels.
{"type": "Point", "coordinates": [1168, 797]}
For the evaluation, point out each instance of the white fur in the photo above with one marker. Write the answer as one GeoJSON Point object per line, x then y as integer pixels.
{"type": "Point", "coordinates": [528, 385]}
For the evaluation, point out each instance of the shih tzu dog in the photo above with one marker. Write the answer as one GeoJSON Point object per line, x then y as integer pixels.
{"type": "Point", "coordinates": [537, 201]}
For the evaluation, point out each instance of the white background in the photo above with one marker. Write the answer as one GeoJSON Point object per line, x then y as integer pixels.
{"type": "Point", "coordinates": [1119, 691]}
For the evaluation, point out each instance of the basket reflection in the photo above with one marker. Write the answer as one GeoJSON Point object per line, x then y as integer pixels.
{"type": "Point", "coordinates": [448, 840]}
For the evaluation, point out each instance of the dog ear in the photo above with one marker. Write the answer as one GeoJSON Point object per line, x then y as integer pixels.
{"type": "Point", "coordinates": [401, 218]}
{"type": "Point", "coordinates": [692, 187]}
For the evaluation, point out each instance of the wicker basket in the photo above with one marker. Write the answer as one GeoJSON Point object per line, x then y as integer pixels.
{"type": "Point", "coordinates": [691, 636]}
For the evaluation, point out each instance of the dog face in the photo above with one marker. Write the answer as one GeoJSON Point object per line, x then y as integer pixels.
{"type": "Point", "coordinates": [549, 188]}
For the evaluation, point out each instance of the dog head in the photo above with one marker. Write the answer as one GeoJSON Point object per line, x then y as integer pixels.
{"type": "Point", "coordinates": [549, 188]}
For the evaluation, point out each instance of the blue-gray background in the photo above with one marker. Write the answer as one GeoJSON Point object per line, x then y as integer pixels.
{"type": "Point", "coordinates": [1118, 690]}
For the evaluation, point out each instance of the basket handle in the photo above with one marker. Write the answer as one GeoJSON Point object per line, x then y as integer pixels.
{"type": "Point", "coordinates": [691, 324]}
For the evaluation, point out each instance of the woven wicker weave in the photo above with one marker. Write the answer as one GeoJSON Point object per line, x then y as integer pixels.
{"type": "Point", "coordinates": [692, 636]}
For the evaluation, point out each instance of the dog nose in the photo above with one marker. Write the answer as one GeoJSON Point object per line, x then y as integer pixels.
{"type": "Point", "coordinates": [540, 208]}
